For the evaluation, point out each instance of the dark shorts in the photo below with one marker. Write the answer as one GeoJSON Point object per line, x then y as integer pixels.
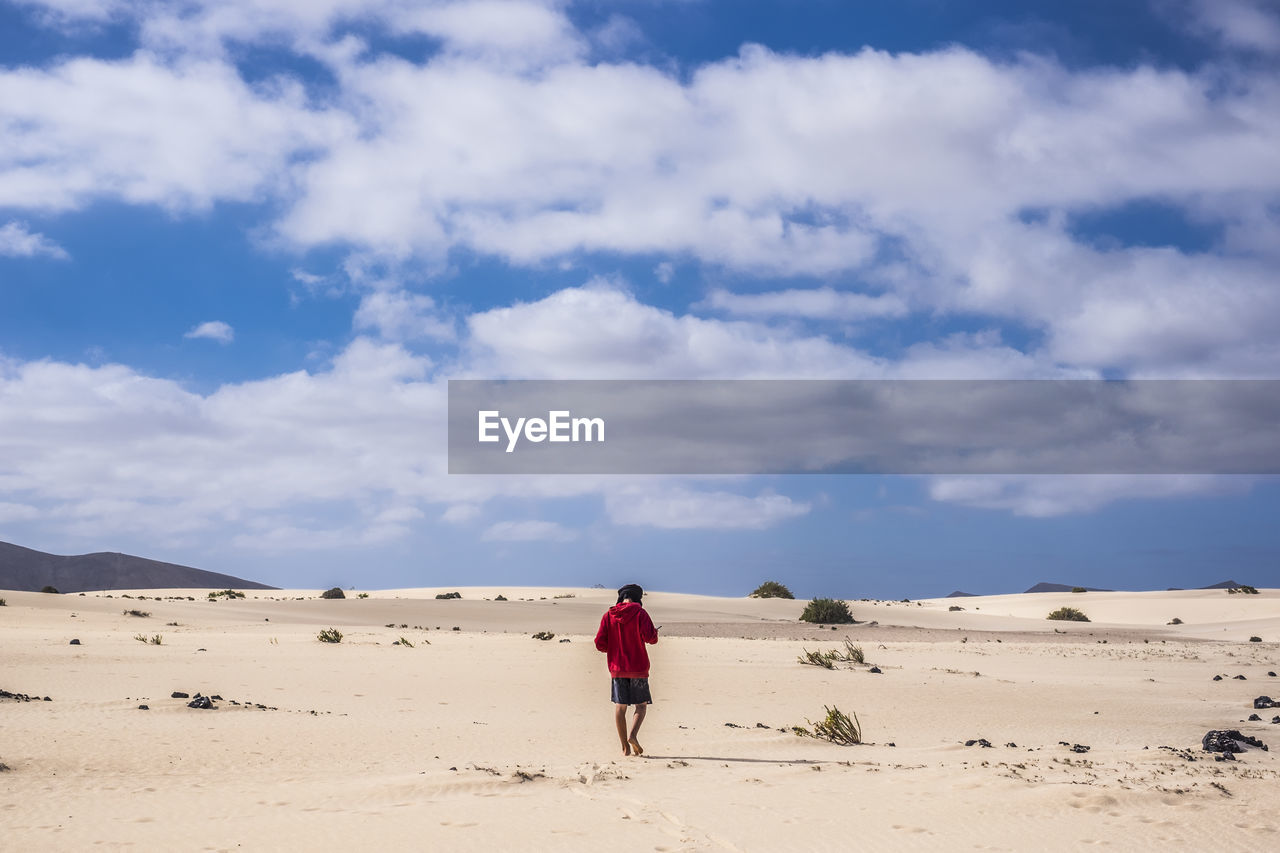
{"type": "Point", "coordinates": [630, 691]}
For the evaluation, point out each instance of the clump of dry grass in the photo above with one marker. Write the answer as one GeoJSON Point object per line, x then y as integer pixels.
{"type": "Point", "coordinates": [837, 727]}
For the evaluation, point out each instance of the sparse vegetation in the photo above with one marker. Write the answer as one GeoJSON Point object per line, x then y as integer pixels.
{"type": "Point", "coordinates": [1078, 589]}
{"type": "Point", "coordinates": [837, 728]}
{"type": "Point", "coordinates": [155, 639]}
{"type": "Point", "coordinates": [500, 597]}
{"type": "Point", "coordinates": [330, 635]}
{"type": "Point", "coordinates": [1243, 589]}
{"type": "Point", "coordinates": [1067, 614]}
{"type": "Point", "coordinates": [448, 595]}
{"type": "Point", "coordinates": [3, 603]}
{"type": "Point", "coordinates": [363, 595]}
{"type": "Point", "coordinates": [826, 660]}
{"type": "Point", "coordinates": [565, 595]}
{"type": "Point", "coordinates": [140, 613]}
{"type": "Point", "coordinates": [336, 592]}
{"type": "Point", "coordinates": [827, 611]}
{"type": "Point", "coordinates": [404, 642]}
{"type": "Point", "coordinates": [772, 589]}
{"type": "Point", "coordinates": [225, 593]}
{"type": "Point", "coordinates": [52, 590]}
{"type": "Point", "coordinates": [1175, 621]}
{"type": "Point", "coordinates": [954, 608]}
{"type": "Point", "coordinates": [141, 638]}
{"type": "Point", "coordinates": [541, 635]}
{"type": "Point", "coordinates": [853, 654]}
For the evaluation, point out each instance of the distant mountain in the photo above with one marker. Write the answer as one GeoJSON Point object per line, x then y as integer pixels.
{"type": "Point", "coordinates": [25, 569]}
{"type": "Point", "coordinates": [1221, 585]}
{"type": "Point", "coordinates": [1061, 587]}
{"type": "Point", "coordinates": [959, 594]}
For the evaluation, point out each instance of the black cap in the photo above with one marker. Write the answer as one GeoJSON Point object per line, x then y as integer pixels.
{"type": "Point", "coordinates": [631, 591]}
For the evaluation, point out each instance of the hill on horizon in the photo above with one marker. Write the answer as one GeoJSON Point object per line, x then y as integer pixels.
{"type": "Point", "coordinates": [1043, 586]}
{"type": "Point", "coordinates": [28, 570]}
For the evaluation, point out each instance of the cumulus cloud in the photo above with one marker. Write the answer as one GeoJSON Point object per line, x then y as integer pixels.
{"type": "Point", "coordinates": [1248, 24]}
{"type": "Point", "coordinates": [823, 303]}
{"type": "Point", "coordinates": [398, 315]}
{"type": "Point", "coordinates": [214, 330]}
{"type": "Point", "coordinates": [16, 241]}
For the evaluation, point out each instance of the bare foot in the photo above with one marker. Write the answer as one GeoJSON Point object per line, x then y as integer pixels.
{"type": "Point", "coordinates": [635, 746]}
{"type": "Point", "coordinates": [626, 751]}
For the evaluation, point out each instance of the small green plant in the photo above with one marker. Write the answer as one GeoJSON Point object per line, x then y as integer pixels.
{"type": "Point", "coordinates": [404, 641]}
{"type": "Point", "coordinates": [1078, 589]}
{"type": "Point", "coordinates": [837, 728]}
{"type": "Point", "coordinates": [448, 595]}
{"type": "Point", "coordinates": [363, 595]}
{"type": "Point", "coordinates": [3, 603]}
{"type": "Point", "coordinates": [827, 611]}
{"type": "Point", "coordinates": [772, 589]}
{"type": "Point", "coordinates": [954, 608]}
{"type": "Point", "coordinates": [1243, 589]}
{"type": "Point", "coordinates": [140, 613]}
{"type": "Point", "coordinates": [330, 635]}
{"type": "Point", "coordinates": [336, 592]}
{"type": "Point", "coordinates": [1067, 614]}
{"type": "Point", "coordinates": [541, 635]}
{"type": "Point", "coordinates": [52, 590]}
{"type": "Point", "coordinates": [565, 595]}
{"type": "Point", "coordinates": [853, 654]}
{"type": "Point", "coordinates": [826, 660]}
{"type": "Point", "coordinates": [141, 638]}
{"type": "Point", "coordinates": [225, 593]}
{"type": "Point", "coordinates": [157, 639]}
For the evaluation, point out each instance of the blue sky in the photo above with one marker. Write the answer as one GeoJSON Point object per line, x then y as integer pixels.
{"type": "Point", "coordinates": [244, 245]}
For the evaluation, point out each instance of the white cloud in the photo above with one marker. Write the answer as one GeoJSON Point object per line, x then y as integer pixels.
{"type": "Point", "coordinates": [529, 531]}
{"type": "Point", "coordinates": [1043, 496]}
{"type": "Point", "coordinates": [460, 513]}
{"type": "Point", "coordinates": [823, 303]}
{"type": "Point", "coordinates": [214, 330]}
{"type": "Point", "coordinates": [678, 508]}
{"type": "Point", "coordinates": [16, 241]}
{"type": "Point", "coordinates": [1250, 24]}
{"type": "Point", "coordinates": [397, 315]}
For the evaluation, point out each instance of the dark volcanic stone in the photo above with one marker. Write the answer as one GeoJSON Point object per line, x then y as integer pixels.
{"type": "Point", "coordinates": [1217, 678]}
{"type": "Point", "coordinates": [1241, 678]}
{"type": "Point", "coordinates": [178, 694]}
{"type": "Point", "coordinates": [74, 643]}
{"type": "Point", "coordinates": [874, 669]}
{"type": "Point", "coordinates": [1272, 674]}
{"type": "Point", "coordinates": [1254, 718]}
{"type": "Point", "coordinates": [1265, 702]}
{"type": "Point", "coordinates": [1229, 741]}
{"type": "Point", "coordinates": [1079, 747]}
{"type": "Point", "coordinates": [201, 702]}
{"type": "Point", "coordinates": [982, 742]}
{"type": "Point", "coordinates": [144, 707]}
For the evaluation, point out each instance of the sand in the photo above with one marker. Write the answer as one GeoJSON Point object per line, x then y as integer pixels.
{"type": "Point", "coordinates": [484, 738]}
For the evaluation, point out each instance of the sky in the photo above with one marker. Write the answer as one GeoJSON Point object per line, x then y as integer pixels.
{"type": "Point", "coordinates": [245, 245]}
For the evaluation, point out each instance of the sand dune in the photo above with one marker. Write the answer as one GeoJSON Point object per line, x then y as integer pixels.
{"type": "Point", "coordinates": [483, 737]}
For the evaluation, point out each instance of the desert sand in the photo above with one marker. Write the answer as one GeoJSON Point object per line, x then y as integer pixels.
{"type": "Point", "coordinates": [484, 738]}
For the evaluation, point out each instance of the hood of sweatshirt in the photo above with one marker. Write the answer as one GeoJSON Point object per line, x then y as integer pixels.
{"type": "Point", "coordinates": [626, 611]}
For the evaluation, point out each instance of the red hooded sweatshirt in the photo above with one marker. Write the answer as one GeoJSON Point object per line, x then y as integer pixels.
{"type": "Point", "coordinates": [624, 629]}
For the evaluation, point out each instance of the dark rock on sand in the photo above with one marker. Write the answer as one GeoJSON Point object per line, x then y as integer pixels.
{"type": "Point", "coordinates": [74, 643]}
{"type": "Point", "coordinates": [1241, 678]}
{"type": "Point", "coordinates": [1229, 741]}
{"type": "Point", "coordinates": [1265, 702]}
{"type": "Point", "coordinates": [178, 694]}
{"type": "Point", "coordinates": [1254, 718]}
{"type": "Point", "coordinates": [982, 742]}
{"type": "Point", "coordinates": [201, 702]}
{"type": "Point", "coordinates": [874, 669]}
{"type": "Point", "coordinates": [1217, 678]}
{"type": "Point", "coordinates": [144, 707]}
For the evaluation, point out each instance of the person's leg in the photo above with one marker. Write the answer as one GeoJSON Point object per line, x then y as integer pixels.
{"type": "Point", "coordinates": [641, 710]}
{"type": "Point", "coordinates": [620, 720]}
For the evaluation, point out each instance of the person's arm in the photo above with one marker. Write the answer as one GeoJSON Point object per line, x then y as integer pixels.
{"type": "Point", "coordinates": [602, 635]}
{"type": "Point", "coordinates": [648, 633]}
